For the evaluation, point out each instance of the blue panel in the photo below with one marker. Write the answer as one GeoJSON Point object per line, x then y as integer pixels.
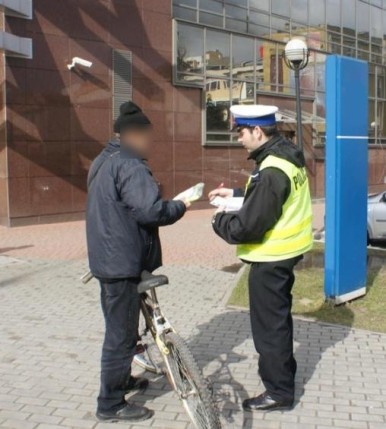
{"type": "Point", "coordinates": [346, 176]}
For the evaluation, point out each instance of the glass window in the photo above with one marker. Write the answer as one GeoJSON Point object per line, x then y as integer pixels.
{"type": "Point", "coordinates": [190, 3]}
{"type": "Point", "coordinates": [211, 6]}
{"type": "Point", "coordinates": [211, 19]}
{"type": "Point", "coordinates": [185, 13]}
{"type": "Point", "coordinates": [243, 92]}
{"type": "Point", "coordinates": [236, 12]}
{"type": "Point", "coordinates": [299, 10]}
{"type": "Point", "coordinates": [217, 53]}
{"type": "Point", "coordinates": [363, 20]}
{"type": "Point", "coordinates": [376, 24]}
{"type": "Point", "coordinates": [236, 25]}
{"type": "Point", "coordinates": [317, 13]}
{"type": "Point", "coordinates": [381, 82]}
{"type": "Point", "coordinates": [243, 58]}
{"type": "Point", "coordinates": [190, 49]}
{"type": "Point", "coordinates": [242, 3]}
{"type": "Point", "coordinates": [349, 48]}
{"type": "Point", "coordinates": [372, 80]}
{"type": "Point", "coordinates": [217, 105]}
{"type": "Point", "coordinates": [259, 24]}
{"type": "Point", "coordinates": [259, 4]}
{"type": "Point", "coordinates": [349, 17]}
{"type": "Point", "coordinates": [333, 15]}
{"type": "Point", "coordinates": [362, 55]}
{"type": "Point", "coordinates": [280, 25]}
{"type": "Point", "coordinates": [281, 7]}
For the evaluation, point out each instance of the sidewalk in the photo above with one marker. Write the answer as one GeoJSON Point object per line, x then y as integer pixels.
{"type": "Point", "coordinates": [67, 241]}
{"type": "Point", "coordinates": [52, 331]}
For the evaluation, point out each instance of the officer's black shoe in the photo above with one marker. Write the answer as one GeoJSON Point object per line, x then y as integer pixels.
{"type": "Point", "coordinates": [129, 413]}
{"type": "Point", "coordinates": [264, 402]}
{"type": "Point", "coordinates": [135, 383]}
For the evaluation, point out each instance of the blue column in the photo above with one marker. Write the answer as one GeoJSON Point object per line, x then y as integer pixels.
{"type": "Point", "coordinates": [346, 178]}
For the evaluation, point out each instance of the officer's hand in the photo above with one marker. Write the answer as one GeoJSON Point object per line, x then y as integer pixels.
{"type": "Point", "coordinates": [220, 192]}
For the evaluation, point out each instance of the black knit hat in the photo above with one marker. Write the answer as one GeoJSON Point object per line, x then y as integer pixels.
{"type": "Point", "coordinates": [131, 116]}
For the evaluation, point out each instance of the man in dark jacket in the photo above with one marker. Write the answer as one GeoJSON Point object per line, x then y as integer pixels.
{"type": "Point", "coordinates": [272, 231]}
{"type": "Point", "coordinates": [124, 212]}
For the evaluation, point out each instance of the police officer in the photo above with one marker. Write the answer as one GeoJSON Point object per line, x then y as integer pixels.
{"type": "Point", "coordinates": [272, 231]}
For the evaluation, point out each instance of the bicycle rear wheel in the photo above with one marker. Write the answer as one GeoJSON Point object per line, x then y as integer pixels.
{"type": "Point", "coordinates": [187, 380]}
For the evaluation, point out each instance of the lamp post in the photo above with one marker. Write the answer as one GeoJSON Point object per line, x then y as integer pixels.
{"type": "Point", "coordinates": [296, 56]}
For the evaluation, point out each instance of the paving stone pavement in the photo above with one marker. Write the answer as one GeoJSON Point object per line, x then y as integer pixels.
{"type": "Point", "coordinates": [51, 332]}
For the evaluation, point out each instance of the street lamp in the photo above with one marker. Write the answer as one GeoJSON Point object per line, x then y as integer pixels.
{"type": "Point", "coordinates": [296, 56]}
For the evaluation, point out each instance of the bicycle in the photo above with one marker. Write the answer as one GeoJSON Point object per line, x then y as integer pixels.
{"type": "Point", "coordinates": [162, 351]}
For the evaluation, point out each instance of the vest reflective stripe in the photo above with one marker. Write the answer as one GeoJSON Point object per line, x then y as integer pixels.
{"type": "Point", "coordinates": [292, 234]}
{"type": "Point", "coordinates": [285, 233]}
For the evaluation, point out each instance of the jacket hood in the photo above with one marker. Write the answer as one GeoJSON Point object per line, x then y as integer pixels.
{"type": "Point", "coordinates": [281, 148]}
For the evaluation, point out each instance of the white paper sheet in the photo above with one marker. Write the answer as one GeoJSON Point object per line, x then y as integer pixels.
{"type": "Point", "coordinates": [192, 194]}
{"type": "Point", "coordinates": [228, 204]}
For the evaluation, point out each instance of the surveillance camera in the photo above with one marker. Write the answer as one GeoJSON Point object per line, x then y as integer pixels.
{"type": "Point", "coordinates": [80, 62]}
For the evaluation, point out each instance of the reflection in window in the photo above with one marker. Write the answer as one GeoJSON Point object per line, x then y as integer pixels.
{"type": "Point", "coordinates": [299, 10]}
{"type": "Point", "coordinates": [376, 25]}
{"type": "Point", "coordinates": [217, 55]}
{"type": "Point", "coordinates": [281, 7]}
{"type": "Point", "coordinates": [243, 58]}
{"type": "Point", "coordinates": [317, 13]}
{"type": "Point", "coordinates": [349, 17]}
{"type": "Point", "coordinates": [190, 49]}
{"type": "Point", "coordinates": [217, 105]}
{"type": "Point", "coordinates": [363, 20]}
{"type": "Point", "coordinates": [239, 69]}
{"type": "Point", "coordinates": [333, 14]}
{"type": "Point", "coordinates": [258, 24]}
{"type": "Point", "coordinates": [260, 4]}
{"type": "Point", "coordinates": [211, 6]}
{"type": "Point", "coordinates": [211, 19]}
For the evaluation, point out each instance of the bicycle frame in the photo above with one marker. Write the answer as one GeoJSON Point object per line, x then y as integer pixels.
{"type": "Point", "coordinates": [157, 323]}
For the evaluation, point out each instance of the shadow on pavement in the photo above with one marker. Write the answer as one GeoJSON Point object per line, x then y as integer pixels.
{"type": "Point", "coordinates": [214, 348]}
{"type": "Point", "coordinates": [221, 349]}
{"type": "Point", "coordinates": [9, 249]}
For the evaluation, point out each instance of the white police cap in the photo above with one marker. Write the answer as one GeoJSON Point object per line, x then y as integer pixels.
{"type": "Point", "coordinates": [256, 115]}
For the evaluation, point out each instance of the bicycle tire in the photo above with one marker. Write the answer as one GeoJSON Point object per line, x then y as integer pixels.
{"type": "Point", "coordinates": [184, 373]}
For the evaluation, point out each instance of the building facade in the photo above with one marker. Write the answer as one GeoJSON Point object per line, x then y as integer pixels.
{"type": "Point", "coordinates": [185, 62]}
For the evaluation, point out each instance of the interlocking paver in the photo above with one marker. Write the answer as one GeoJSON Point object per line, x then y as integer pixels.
{"type": "Point", "coordinates": [52, 331]}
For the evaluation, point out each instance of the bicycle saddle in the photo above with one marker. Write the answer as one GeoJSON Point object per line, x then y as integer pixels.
{"type": "Point", "coordinates": [150, 281]}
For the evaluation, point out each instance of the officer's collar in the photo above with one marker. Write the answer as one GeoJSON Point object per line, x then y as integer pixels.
{"type": "Point", "coordinates": [263, 151]}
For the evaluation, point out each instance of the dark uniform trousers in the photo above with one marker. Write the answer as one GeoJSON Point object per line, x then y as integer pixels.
{"type": "Point", "coordinates": [270, 286]}
{"type": "Point", "coordinates": [120, 305]}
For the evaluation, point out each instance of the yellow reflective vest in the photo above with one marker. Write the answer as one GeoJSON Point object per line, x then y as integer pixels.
{"type": "Point", "coordinates": [292, 234]}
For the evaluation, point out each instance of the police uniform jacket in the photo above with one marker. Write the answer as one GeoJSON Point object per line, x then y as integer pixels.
{"type": "Point", "coordinates": [265, 197]}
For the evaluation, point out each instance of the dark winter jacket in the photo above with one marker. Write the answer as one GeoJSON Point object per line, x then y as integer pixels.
{"type": "Point", "coordinates": [124, 211]}
{"type": "Point", "coordinates": [264, 200]}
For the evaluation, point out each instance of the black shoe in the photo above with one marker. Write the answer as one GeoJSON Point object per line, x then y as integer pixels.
{"type": "Point", "coordinates": [264, 402]}
{"type": "Point", "coordinates": [135, 383]}
{"type": "Point", "coordinates": [129, 413]}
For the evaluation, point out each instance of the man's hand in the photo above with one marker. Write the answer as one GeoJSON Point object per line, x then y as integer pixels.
{"type": "Point", "coordinates": [187, 203]}
{"type": "Point", "coordinates": [220, 192]}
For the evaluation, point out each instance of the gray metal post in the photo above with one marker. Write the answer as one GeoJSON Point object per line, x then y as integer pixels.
{"type": "Point", "coordinates": [298, 110]}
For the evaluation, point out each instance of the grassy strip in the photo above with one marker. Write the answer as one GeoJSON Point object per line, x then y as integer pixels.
{"type": "Point", "coordinates": [365, 313]}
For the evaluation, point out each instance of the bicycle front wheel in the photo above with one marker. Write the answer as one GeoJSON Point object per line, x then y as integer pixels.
{"type": "Point", "coordinates": [187, 380]}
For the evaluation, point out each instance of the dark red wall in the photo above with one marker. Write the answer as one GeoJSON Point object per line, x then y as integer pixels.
{"type": "Point", "coordinates": [58, 121]}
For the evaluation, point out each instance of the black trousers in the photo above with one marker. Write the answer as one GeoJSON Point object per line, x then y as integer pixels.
{"type": "Point", "coordinates": [270, 286]}
{"type": "Point", "coordinates": [120, 305]}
